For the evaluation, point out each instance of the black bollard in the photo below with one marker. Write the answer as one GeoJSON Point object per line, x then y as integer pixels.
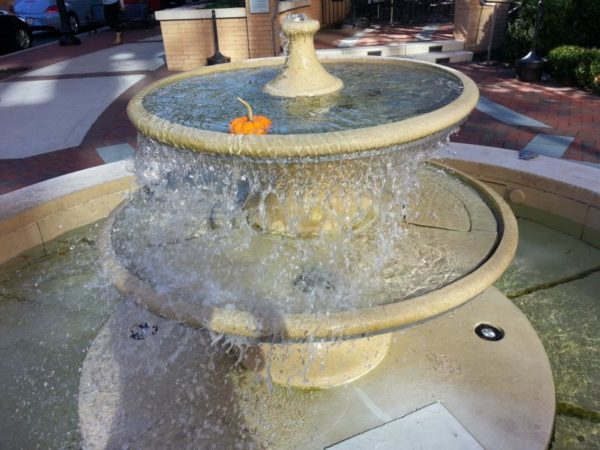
{"type": "Point", "coordinates": [218, 57]}
{"type": "Point", "coordinates": [530, 67]}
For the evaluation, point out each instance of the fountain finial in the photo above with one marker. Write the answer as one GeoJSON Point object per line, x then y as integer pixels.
{"type": "Point", "coordinates": [302, 75]}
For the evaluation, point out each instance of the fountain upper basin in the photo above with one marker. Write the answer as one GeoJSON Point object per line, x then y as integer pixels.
{"type": "Point", "coordinates": [302, 143]}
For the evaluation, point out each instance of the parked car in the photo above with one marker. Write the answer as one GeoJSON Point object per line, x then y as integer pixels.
{"type": "Point", "coordinates": [15, 34]}
{"type": "Point", "coordinates": [43, 14]}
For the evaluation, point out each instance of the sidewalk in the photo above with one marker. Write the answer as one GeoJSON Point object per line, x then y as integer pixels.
{"type": "Point", "coordinates": [62, 109]}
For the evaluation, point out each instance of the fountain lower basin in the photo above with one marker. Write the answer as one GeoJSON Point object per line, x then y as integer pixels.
{"type": "Point", "coordinates": [91, 195]}
{"type": "Point", "coordinates": [295, 241]}
{"type": "Point", "coordinates": [319, 343]}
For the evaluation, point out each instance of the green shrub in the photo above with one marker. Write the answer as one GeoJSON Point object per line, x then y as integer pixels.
{"type": "Point", "coordinates": [595, 73]}
{"type": "Point", "coordinates": [576, 65]}
{"type": "Point", "coordinates": [565, 22]}
{"type": "Point", "coordinates": [568, 61]}
{"type": "Point", "coordinates": [517, 41]}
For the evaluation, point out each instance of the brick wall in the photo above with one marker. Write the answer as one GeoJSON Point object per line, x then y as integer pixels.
{"type": "Point", "coordinates": [189, 42]}
{"type": "Point", "coordinates": [473, 24]}
{"type": "Point", "coordinates": [6, 5]}
{"type": "Point", "coordinates": [260, 32]}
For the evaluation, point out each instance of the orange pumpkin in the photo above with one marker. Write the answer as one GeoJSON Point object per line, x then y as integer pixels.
{"type": "Point", "coordinates": [249, 124]}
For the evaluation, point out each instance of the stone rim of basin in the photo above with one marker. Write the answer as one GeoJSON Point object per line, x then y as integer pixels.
{"type": "Point", "coordinates": [335, 143]}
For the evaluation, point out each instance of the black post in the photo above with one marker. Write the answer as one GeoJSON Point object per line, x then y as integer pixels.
{"type": "Point", "coordinates": [217, 58]}
{"type": "Point", "coordinates": [538, 22]}
{"type": "Point", "coordinates": [530, 67]}
{"type": "Point", "coordinates": [67, 38]}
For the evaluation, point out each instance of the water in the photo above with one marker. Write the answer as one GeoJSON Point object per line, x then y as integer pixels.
{"type": "Point", "coordinates": [373, 94]}
{"type": "Point", "coordinates": [53, 301]}
{"type": "Point", "coordinates": [554, 279]}
{"type": "Point", "coordinates": [320, 237]}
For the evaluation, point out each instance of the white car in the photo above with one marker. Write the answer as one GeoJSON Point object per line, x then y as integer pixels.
{"type": "Point", "coordinates": [43, 14]}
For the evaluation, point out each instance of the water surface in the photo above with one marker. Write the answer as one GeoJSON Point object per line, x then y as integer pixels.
{"type": "Point", "coordinates": [373, 94]}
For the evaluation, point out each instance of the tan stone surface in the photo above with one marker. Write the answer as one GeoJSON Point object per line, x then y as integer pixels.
{"type": "Point", "coordinates": [317, 364]}
{"type": "Point", "coordinates": [302, 74]}
{"type": "Point", "coordinates": [35, 214]}
{"type": "Point", "coordinates": [502, 392]}
{"type": "Point", "coordinates": [76, 216]}
{"type": "Point", "coordinates": [559, 193]}
{"type": "Point", "coordinates": [536, 262]}
{"type": "Point", "coordinates": [560, 177]}
{"type": "Point", "coordinates": [348, 323]}
{"type": "Point", "coordinates": [15, 242]}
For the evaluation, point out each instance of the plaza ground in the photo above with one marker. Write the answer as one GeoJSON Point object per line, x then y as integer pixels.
{"type": "Point", "coordinates": [63, 109]}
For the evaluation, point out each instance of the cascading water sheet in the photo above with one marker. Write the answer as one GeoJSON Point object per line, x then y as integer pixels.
{"type": "Point", "coordinates": [201, 230]}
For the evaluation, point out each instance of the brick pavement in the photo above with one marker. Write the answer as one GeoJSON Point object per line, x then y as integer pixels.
{"type": "Point", "coordinates": [568, 111]}
{"type": "Point", "coordinates": [111, 127]}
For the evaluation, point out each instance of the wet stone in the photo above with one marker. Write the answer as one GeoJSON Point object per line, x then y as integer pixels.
{"type": "Point", "coordinates": [53, 300]}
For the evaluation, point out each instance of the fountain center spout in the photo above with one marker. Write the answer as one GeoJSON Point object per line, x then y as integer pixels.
{"type": "Point", "coordinates": [302, 74]}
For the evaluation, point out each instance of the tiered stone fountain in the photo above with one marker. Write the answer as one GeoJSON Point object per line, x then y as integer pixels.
{"type": "Point", "coordinates": [331, 203]}
{"type": "Point", "coordinates": [318, 253]}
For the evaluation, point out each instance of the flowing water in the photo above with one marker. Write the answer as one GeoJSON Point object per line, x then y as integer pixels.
{"type": "Point", "coordinates": [54, 300]}
{"type": "Point", "coordinates": [203, 229]}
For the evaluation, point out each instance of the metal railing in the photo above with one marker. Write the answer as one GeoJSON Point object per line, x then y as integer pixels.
{"type": "Point", "coordinates": [405, 11]}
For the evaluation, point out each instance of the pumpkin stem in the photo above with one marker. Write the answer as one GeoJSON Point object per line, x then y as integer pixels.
{"type": "Point", "coordinates": [248, 108]}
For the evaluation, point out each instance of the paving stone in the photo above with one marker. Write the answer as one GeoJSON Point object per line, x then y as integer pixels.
{"type": "Point", "coordinates": [59, 112]}
{"type": "Point", "coordinates": [567, 320]}
{"type": "Point", "coordinates": [545, 256]}
{"type": "Point", "coordinates": [549, 145]}
{"type": "Point", "coordinates": [122, 58]}
{"type": "Point", "coordinates": [114, 153]}
{"type": "Point", "coordinates": [506, 115]}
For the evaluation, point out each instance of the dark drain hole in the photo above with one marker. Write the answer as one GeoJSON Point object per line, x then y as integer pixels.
{"type": "Point", "coordinates": [141, 331]}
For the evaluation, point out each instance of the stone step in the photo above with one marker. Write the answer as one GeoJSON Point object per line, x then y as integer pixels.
{"type": "Point", "coordinates": [450, 57]}
{"type": "Point", "coordinates": [413, 48]}
{"type": "Point", "coordinates": [409, 49]}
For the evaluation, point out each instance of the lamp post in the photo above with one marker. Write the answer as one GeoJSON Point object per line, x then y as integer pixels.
{"type": "Point", "coordinates": [67, 38]}
{"type": "Point", "coordinates": [529, 68]}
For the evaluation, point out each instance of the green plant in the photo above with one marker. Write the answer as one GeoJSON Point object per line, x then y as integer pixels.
{"type": "Point", "coordinates": [566, 60]}
{"type": "Point", "coordinates": [576, 65]}
{"type": "Point", "coordinates": [595, 73]}
{"type": "Point", "coordinates": [565, 22]}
